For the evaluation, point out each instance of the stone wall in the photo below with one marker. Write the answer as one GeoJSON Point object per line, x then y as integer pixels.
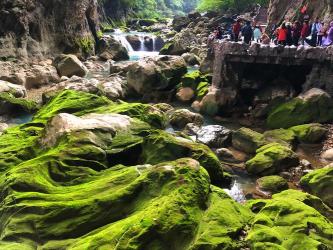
{"type": "Point", "coordinates": [33, 28]}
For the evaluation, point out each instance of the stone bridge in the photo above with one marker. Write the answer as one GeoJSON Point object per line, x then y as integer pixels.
{"type": "Point", "coordinates": [240, 71]}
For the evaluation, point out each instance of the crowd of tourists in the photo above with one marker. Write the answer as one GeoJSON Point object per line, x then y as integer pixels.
{"type": "Point", "coordinates": [317, 33]}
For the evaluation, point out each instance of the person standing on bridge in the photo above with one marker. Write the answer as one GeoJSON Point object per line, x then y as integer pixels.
{"type": "Point", "coordinates": [329, 39]}
{"type": "Point", "coordinates": [257, 34]}
{"type": "Point", "coordinates": [305, 31]}
{"type": "Point", "coordinates": [282, 34]}
{"type": "Point", "coordinates": [289, 39]}
{"type": "Point", "coordinates": [315, 29]}
{"type": "Point", "coordinates": [236, 28]}
{"type": "Point", "coordinates": [247, 32]}
{"type": "Point", "coordinates": [322, 33]}
{"type": "Point", "coordinates": [296, 32]}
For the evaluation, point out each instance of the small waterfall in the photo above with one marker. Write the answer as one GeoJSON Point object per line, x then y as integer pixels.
{"type": "Point", "coordinates": [119, 35]}
{"type": "Point", "coordinates": [142, 43]}
{"type": "Point", "coordinates": [154, 43]}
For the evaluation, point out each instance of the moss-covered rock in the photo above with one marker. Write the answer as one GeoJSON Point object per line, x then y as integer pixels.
{"type": "Point", "coordinates": [10, 105]}
{"type": "Point", "coordinates": [319, 183]}
{"type": "Point", "coordinates": [313, 106]}
{"type": "Point", "coordinates": [197, 81]}
{"type": "Point", "coordinates": [181, 117]}
{"type": "Point", "coordinates": [309, 133]}
{"type": "Point", "coordinates": [160, 146]}
{"type": "Point", "coordinates": [285, 222]}
{"type": "Point", "coordinates": [272, 184]}
{"type": "Point", "coordinates": [282, 136]}
{"type": "Point", "coordinates": [247, 140]}
{"type": "Point", "coordinates": [308, 199]}
{"type": "Point", "coordinates": [222, 223]}
{"type": "Point", "coordinates": [271, 159]}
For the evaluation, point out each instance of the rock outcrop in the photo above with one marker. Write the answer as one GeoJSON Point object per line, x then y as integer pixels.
{"type": "Point", "coordinates": [37, 28]}
{"type": "Point", "coordinates": [280, 10]}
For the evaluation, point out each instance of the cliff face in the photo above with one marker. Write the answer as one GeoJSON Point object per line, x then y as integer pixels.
{"type": "Point", "coordinates": [280, 10]}
{"type": "Point", "coordinates": [33, 28]}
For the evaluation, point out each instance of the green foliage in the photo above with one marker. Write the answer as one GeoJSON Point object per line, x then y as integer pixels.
{"type": "Point", "coordinates": [86, 44]}
{"type": "Point", "coordinates": [239, 5]}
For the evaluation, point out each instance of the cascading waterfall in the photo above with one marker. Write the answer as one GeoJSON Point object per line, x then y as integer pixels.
{"type": "Point", "coordinates": [143, 51]}
{"type": "Point", "coordinates": [119, 36]}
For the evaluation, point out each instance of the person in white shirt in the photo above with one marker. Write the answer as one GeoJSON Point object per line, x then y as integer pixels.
{"type": "Point", "coordinates": [315, 29]}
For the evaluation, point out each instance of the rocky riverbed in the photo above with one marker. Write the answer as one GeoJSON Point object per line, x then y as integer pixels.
{"type": "Point", "coordinates": [118, 152]}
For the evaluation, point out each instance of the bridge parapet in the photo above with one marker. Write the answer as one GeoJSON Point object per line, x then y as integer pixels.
{"type": "Point", "coordinates": [260, 53]}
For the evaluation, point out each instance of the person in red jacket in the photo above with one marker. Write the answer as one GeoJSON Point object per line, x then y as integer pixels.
{"type": "Point", "coordinates": [236, 28]}
{"type": "Point", "coordinates": [282, 34]}
{"type": "Point", "coordinates": [305, 31]}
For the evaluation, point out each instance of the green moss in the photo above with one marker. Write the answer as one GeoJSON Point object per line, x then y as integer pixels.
{"type": "Point", "coordinates": [309, 133]}
{"type": "Point", "coordinates": [297, 112]}
{"type": "Point", "coordinates": [287, 223]}
{"type": "Point", "coordinates": [131, 189]}
{"type": "Point", "coordinates": [99, 34]}
{"type": "Point", "coordinates": [202, 90]}
{"type": "Point", "coordinates": [160, 146]}
{"type": "Point", "coordinates": [282, 136]}
{"type": "Point", "coordinates": [167, 48]}
{"type": "Point", "coordinates": [70, 101]}
{"type": "Point", "coordinates": [320, 182]}
{"type": "Point", "coordinates": [86, 44]}
{"type": "Point", "coordinates": [271, 159]}
{"type": "Point", "coordinates": [247, 140]}
{"type": "Point", "coordinates": [18, 104]}
{"type": "Point", "coordinates": [308, 199]}
{"type": "Point", "coordinates": [273, 183]}
{"type": "Point", "coordinates": [221, 223]}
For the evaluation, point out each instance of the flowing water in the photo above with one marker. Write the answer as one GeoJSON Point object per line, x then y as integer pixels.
{"type": "Point", "coordinates": [143, 50]}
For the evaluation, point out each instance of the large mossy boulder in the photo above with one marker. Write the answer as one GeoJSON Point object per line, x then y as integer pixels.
{"type": "Point", "coordinates": [247, 140]}
{"type": "Point", "coordinates": [70, 65]}
{"type": "Point", "coordinates": [160, 146]}
{"type": "Point", "coordinates": [271, 159]}
{"type": "Point", "coordinates": [320, 183]}
{"type": "Point", "coordinates": [309, 133]}
{"type": "Point", "coordinates": [155, 74]}
{"type": "Point", "coordinates": [287, 222]}
{"type": "Point", "coordinates": [314, 105]}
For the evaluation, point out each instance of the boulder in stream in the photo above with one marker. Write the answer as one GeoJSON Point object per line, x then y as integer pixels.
{"type": "Point", "coordinates": [111, 49]}
{"type": "Point", "coordinates": [214, 136]}
{"type": "Point", "coordinates": [70, 65]}
{"type": "Point", "coordinates": [155, 74]}
{"type": "Point", "coordinates": [181, 117]}
{"type": "Point", "coordinates": [271, 159]}
{"type": "Point", "coordinates": [272, 184]}
{"type": "Point", "coordinates": [247, 140]}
